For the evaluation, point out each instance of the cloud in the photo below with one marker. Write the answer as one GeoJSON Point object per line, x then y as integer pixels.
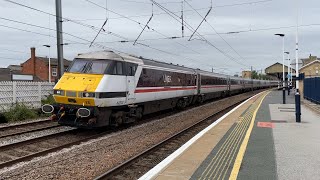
{"type": "Point", "coordinates": [256, 48]}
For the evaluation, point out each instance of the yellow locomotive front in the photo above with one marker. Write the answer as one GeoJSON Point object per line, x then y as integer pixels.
{"type": "Point", "coordinates": [75, 94]}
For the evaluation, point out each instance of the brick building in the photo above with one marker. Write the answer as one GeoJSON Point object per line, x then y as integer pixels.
{"type": "Point", "coordinates": [308, 60]}
{"type": "Point", "coordinates": [39, 66]}
{"type": "Point", "coordinates": [309, 70]}
{"type": "Point", "coordinates": [276, 70]}
{"type": "Point", "coordinates": [246, 74]}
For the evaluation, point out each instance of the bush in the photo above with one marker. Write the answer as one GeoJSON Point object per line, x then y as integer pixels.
{"type": "Point", "coordinates": [2, 118]}
{"type": "Point", "coordinates": [19, 112]}
{"type": "Point", "coordinates": [48, 100]}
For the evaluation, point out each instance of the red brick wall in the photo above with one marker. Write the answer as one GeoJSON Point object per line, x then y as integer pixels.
{"type": "Point", "coordinates": [37, 68]}
{"type": "Point", "coordinates": [27, 67]}
{"type": "Point", "coordinates": [41, 70]}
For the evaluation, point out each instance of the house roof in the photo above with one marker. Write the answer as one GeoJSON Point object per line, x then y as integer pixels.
{"type": "Point", "coordinates": [14, 67]}
{"type": "Point", "coordinates": [5, 74]}
{"type": "Point", "coordinates": [273, 65]}
{"type": "Point", "coordinates": [53, 61]}
{"type": "Point", "coordinates": [280, 64]}
{"type": "Point", "coordinates": [315, 61]}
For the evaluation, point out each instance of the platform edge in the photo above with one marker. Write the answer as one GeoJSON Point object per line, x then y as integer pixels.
{"type": "Point", "coordinates": [163, 164]}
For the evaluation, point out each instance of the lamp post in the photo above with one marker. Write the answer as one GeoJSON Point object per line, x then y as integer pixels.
{"type": "Point", "coordinates": [289, 72]}
{"type": "Point", "coordinates": [297, 95]}
{"type": "Point", "coordinates": [283, 75]}
{"type": "Point", "coordinates": [48, 46]}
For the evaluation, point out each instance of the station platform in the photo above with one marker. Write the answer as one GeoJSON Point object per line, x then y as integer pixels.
{"type": "Point", "coordinates": [259, 139]}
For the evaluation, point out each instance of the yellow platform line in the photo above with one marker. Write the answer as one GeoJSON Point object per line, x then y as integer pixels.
{"type": "Point", "coordinates": [230, 160]}
{"type": "Point", "coordinates": [234, 137]}
{"type": "Point", "coordinates": [243, 147]}
{"type": "Point", "coordinates": [230, 156]}
{"type": "Point", "coordinates": [226, 144]}
{"type": "Point", "coordinates": [227, 159]}
{"type": "Point", "coordinates": [229, 141]}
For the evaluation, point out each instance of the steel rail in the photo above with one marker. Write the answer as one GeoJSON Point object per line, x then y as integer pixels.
{"type": "Point", "coordinates": [48, 150]}
{"type": "Point", "coordinates": [29, 131]}
{"type": "Point", "coordinates": [46, 125]}
{"type": "Point", "coordinates": [108, 174]}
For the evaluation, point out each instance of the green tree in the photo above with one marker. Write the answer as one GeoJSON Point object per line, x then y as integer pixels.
{"type": "Point", "coordinates": [255, 75]}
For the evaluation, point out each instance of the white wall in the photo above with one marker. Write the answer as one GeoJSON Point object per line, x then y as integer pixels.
{"type": "Point", "coordinates": [28, 93]}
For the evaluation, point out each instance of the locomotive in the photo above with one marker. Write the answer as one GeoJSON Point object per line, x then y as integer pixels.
{"type": "Point", "coordinates": [109, 89]}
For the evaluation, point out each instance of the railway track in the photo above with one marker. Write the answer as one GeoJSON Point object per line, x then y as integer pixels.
{"type": "Point", "coordinates": [29, 127]}
{"type": "Point", "coordinates": [22, 151]}
{"type": "Point", "coordinates": [138, 165]}
{"type": "Point", "coordinates": [26, 150]}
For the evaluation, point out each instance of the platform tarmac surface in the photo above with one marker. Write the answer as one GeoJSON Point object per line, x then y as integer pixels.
{"type": "Point", "coordinates": [258, 140]}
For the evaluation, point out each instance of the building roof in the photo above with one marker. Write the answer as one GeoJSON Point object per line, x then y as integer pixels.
{"type": "Point", "coordinates": [6, 74]}
{"type": "Point", "coordinates": [15, 67]}
{"type": "Point", "coordinates": [279, 64]}
{"type": "Point", "coordinates": [53, 61]}
{"type": "Point", "coordinates": [315, 61]}
{"type": "Point", "coordinates": [308, 60]}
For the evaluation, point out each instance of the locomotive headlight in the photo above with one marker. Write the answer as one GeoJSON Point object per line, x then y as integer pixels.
{"type": "Point", "coordinates": [58, 92]}
{"type": "Point", "coordinates": [88, 94]}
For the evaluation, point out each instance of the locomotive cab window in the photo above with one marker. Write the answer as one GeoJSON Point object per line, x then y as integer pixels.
{"type": "Point", "coordinates": [89, 66]}
{"type": "Point", "coordinates": [117, 68]}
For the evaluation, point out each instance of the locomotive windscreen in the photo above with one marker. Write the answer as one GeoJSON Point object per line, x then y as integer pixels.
{"type": "Point", "coordinates": [89, 66]}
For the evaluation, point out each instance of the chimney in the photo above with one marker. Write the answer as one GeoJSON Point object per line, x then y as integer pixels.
{"type": "Point", "coordinates": [33, 60]}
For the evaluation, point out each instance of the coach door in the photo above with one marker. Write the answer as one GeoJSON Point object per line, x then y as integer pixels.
{"type": "Point", "coordinates": [198, 80]}
{"type": "Point", "coordinates": [131, 69]}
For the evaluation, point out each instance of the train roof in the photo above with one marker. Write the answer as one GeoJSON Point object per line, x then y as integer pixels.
{"type": "Point", "coordinates": [202, 72]}
{"type": "Point", "coordinates": [100, 55]}
{"type": "Point", "coordinates": [150, 62]}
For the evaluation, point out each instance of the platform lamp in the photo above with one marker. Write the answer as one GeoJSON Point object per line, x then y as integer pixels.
{"type": "Point", "coordinates": [283, 78]}
{"type": "Point", "coordinates": [297, 95]}
{"type": "Point", "coordinates": [48, 46]}
{"type": "Point", "coordinates": [289, 71]}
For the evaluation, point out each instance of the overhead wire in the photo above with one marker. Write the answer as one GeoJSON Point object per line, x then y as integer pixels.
{"type": "Point", "coordinates": [214, 30]}
{"type": "Point", "coordinates": [201, 37]}
{"type": "Point", "coordinates": [37, 26]}
{"type": "Point", "coordinates": [104, 23]}
{"type": "Point", "coordinates": [15, 51]}
{"type": "Point", "coordinates": [89, 1]}
{"type": "Point", "coordinates": [144, 27]}
{"type": "Point", "coordinates": [9, 58]}
{"type": "Point", "coordinates": [79, 23]}
{"type": "Point", "coordinates": [89, 26]}
{"type": "Point", "coordinates": [161, 13]}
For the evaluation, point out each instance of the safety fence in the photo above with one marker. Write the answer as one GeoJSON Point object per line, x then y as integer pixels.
{"type": "Point", "coordinates": [312, 89]}
{"type": "Point", "coordinates": [28, 93]}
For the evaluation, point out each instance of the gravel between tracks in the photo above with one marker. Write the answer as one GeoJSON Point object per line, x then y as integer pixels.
{"type": "Point", "coordinates": [90, 159]}
{"type": "Point", "coordinates": [22, 122]}
{"type": "Point", "coordinates": [32, 135]}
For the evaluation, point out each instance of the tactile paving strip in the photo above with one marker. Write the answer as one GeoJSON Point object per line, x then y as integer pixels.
{"type": "Point", "coordinates": [219, 162]}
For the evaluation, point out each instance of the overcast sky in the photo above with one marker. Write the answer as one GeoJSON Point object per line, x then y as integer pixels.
{"type": "Point", "coordinates": [255, 45]}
